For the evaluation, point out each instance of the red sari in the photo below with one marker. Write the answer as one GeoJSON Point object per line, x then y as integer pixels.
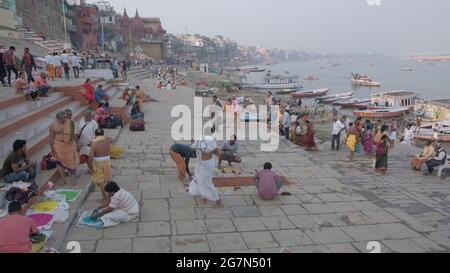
{"type": "Point", "coordinates": [308, 138]}
{"type": "Point", "coordinates": [88, 92]}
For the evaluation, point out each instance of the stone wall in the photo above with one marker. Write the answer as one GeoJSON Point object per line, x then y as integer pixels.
{"type": "Point", "coordinates": [153, 50]}
{"type": "Point", "coordinates": [7, 19]}
{"type": "Point", "coordinates": [42, 16]}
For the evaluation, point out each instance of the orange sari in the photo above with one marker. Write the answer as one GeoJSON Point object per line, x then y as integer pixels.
{"type": "Point", "coordinates": [65, 146]}
{"type": "Point", "coordinates": [181, 165]}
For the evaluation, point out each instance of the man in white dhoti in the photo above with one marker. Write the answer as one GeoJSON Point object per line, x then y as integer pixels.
{"type": "Point", "coordinates": [122, 208]}
{"type": "Point", "coordinates": [202, 185]}
{"type": "Point", "coordinates": [86, 136]}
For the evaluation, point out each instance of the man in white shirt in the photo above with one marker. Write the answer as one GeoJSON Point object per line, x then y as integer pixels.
{"type": "Point", "coordinates": [51, 68]}
{"type": "Point", "coordinates": [409, 135]}
{"type": "Point", "coordinates": [338, 128]}
{"type": "Point", "coordinates": [122, 208]}
{"type": "Point", "coordinates": [66, 64]}
{"type": "Point", "coordinates": [75, 62]}
{"type": "Point", "coordinates": [439, 159]}
{"type": "Point", "coordinates": [286, 122]}
{"type": "Point", "coordinates": [86, 135]}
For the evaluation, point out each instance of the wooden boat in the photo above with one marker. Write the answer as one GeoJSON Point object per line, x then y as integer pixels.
{"type": "Point", "coordinates": [441, 137]}
{"type": "Point", "coordinates": [336, 97]}
{"type": "Point", "coordinates": [381, 113]}
{"type": "Point", "coordinates": [311, 93]}
{"type": "Point", "coordinates": [331, 101]}
{"type": "Point", "coordinates": [286, 91]}
{"type": "Point", "coordinates": [310, 78]}
{"type": "Point", "coordinates": [361, 104]}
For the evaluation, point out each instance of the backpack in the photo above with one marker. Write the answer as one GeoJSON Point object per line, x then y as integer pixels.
{"type": "Point", "coordinates": [137, 126]}
{"type": "Point", "coordinates": [16, 194]}
{"type": "Point", "coordinates": [48, 163]}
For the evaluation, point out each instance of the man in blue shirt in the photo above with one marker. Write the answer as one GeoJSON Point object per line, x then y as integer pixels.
{"type": "Point", "coordinates": [100, 94]}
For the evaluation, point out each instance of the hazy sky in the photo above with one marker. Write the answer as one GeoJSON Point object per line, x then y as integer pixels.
{"type": "Point", "coordinates": [344, 26]}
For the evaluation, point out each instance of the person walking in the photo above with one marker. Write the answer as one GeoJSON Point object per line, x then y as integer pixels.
{"type": "Point", "coordinates": [29, 64]}
{"type": "Point", "coordinates": [66, 64]}
{"type": "Point", "coordinates": [9, 61]}
{"type": "Point", "coordinates": [75, 62]}
{"type": "Point", "coordinates": [338, 128]}
{"type": "Point", "coordinates": [2, 70]}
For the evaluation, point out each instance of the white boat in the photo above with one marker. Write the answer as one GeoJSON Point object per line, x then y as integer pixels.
{"type": "Point", "coordinates": [407, 69]}
{"type": "Point", "coordinates": [364, 80]}
{"type": "Point", "coordinates": [278, 82]}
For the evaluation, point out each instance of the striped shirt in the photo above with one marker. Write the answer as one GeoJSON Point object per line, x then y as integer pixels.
{"type": "Point", "coordinates": [123, 200]}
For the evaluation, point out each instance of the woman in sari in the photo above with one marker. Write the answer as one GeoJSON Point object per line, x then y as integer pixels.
{"type": "Point", "coordinates": [22, 87]}
{"type": "Point", "coordinates": [427, 154]}
{"type": "Point", "coordinates": [297, 134]}
{"type": "Point", "coordinates": [308, 138]}
{"type": "Point", "coordinates": [367, 140]}
{"type": "Point", "coordinates": [351, 139]}
{"type": "Point", "coordinates": [202, 185]}
{"type": "Point", "coordinates": [381, 164]}
{"type": "Point", "coordinates": [101, 115]}
{"type": "Point", "coordinates": [88, 91]}
{"type": "Point", "coordinates": [62, 143]}
{"type": "Point", "coordinates": [358, 127]}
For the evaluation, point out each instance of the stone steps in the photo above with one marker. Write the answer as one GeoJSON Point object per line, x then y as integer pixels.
{"type": "Point", "coordinates": [12, 124]}
{"type": "Point", "coordinates": [36, 131]}
{"type": "Point", "coordinates": [18, 109]}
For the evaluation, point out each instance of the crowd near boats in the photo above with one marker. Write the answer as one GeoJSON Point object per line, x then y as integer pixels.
{"type": "Point", "coordinates": [397, 104]}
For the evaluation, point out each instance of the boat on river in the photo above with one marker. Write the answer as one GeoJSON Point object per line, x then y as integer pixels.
{"type": "Point", "coordinates": [311, 93]}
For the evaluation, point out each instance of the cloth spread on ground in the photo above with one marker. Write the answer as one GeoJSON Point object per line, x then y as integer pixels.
{"type": "Point", "coordinates": [86, 220]}
{"type": "Point", "coordinates": [42, 220]}
{"type": "Point", "coordinates": [45, 206]}
{"type": "Point", "coordinates": [70, 195]}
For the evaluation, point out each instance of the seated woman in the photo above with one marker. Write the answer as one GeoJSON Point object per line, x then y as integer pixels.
{"type": "Point", "coordinates": [135, 112]}
{"type": "Point", "coordinates": [297, 134]}
{"type": "Point", "coordinates": [308, 138]}
{"type": "Point", "coordinates": [88, 91]}
{"type": "Point", "coordinates": [105, 119]}
{"type": "Point", "coordinates": [427, 154]}
{"type": "Point", "coordinates": [101, 115]}
{"type": "Point", "coordinates": [41, 84]}
{"type": "Point", "coordinates": [22, 87]}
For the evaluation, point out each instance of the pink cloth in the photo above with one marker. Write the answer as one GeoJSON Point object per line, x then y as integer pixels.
{"type": "Point", "coordinates": [40, 82]}
{"type": "Point", "coordinates": [268, 184]}
{"type": "Point", "coordinates": [15, 233]}
{"type": "Point", "coordinates": [41, 219]}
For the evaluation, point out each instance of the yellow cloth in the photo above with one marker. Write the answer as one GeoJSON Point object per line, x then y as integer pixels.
{"type": "Point", "coordinates": [51, 71]}
{"type": "Point", "coordinates": [351, 142]}
{"type": "Point", "coordinates": [45, 206]}
{"type": "Point", "coordinates": [116, 152]}
{"type": "Point", "coordinates": [101, 168]}
{"type": "Point", "coordinates": [102, 172]}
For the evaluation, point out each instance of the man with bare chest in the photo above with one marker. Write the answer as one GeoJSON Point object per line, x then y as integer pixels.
{"type": "Point", "coordinates": [100, 161]}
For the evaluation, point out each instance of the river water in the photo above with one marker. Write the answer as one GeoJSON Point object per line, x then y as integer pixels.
{"type": "Point", "coordinates": [427, 80]}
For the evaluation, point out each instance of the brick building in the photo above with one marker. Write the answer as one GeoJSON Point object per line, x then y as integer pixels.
{"type": "Point", "coordinates": [45, 17]}
{"type": "Point", "coordinates": [86, 20]}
